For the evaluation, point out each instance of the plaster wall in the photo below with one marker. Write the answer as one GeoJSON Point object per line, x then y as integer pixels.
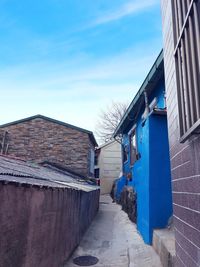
{"type": "Point", "coordinates": [110, 166]}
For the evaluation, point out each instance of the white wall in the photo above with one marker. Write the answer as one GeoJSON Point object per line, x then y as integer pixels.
{"type": "Point", "coordinates": [110, 165]}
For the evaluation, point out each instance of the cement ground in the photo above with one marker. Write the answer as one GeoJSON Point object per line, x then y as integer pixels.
{"type": "Point", "coordinates": [114, 240]}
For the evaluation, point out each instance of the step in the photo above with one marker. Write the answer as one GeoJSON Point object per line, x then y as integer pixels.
{"type": "Point", "coordinates": [164, 245]}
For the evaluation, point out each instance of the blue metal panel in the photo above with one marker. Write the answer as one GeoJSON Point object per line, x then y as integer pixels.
{"type": "Point", "coordinates": [160, 176]}
{"type": "Point", "coordinates": [140, 171]}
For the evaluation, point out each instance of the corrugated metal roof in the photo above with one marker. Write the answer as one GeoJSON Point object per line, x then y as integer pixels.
{"type": "Point", "coordinates": [25, 173]}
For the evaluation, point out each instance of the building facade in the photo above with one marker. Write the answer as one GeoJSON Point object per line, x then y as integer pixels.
{"type": "Point", "coordinates": [108, 164]}
{"type": "Point", "coordinates": [181, 38]}
{"type": "Point", "coordinates": [146, 165]}
{"type": "Point", "coordinates": [45, 140]}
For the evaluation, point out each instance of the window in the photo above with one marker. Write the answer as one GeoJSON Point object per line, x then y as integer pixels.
{"type": "Point", "coordinates": [96, 173]}
{"type": "Point", "coordinates": [91, 161]}
{"type": "Point", "coordinates": [125, 153]}
{"type": "Point", "coordinates": [133, 148]}
{"type": "Point", "coordinates": [96, 159]}
{"type": "Point", "coordinates": [186, 22]}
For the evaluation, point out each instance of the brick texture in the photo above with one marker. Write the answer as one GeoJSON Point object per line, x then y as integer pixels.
{"type": "Point", "coordinates": [41, 140]}
{"type": "Point", "coordinates": [185, 160]}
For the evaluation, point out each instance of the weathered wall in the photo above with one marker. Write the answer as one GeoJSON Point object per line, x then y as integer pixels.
{"type": "Point", "coordinates": [41, 227]}
{"type": "Point", "coordinates": [110, 164]}
{"type": "Point", "coordinates": [41, 140]}
{"type": "Point", "coordinates": [185, 167]}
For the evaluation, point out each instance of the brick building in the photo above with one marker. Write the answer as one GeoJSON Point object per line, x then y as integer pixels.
{"type": "Point", "coordinates": [181, 36]}
{"type": "Point", "coordinates": [45, 140]}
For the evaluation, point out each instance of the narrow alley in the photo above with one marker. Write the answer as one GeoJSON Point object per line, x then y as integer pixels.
{"type": "Point", "coordinates": [113, 239]}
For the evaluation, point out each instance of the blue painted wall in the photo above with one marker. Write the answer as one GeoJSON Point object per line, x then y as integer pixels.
{"type": "Point", "coordinates": [140, 171]}
{"type": "Point", "coordinates": [160, 176]}
{"type": "Point", "coordinates": [120, 183]}
{"type": "Point", "coordinates": [151, 173]}
{"type": "Point", "coordinates": [125, 168]}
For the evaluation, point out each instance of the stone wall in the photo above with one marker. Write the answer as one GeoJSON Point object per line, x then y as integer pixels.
{"type": "Point", "coordinates": [42, 140]}
{"type": "Point", "coordinates": [185, 158]}
{"type": "Point", "coordinates": [42, 227]}
{"type": "Point", "coordinates": [128, 201]}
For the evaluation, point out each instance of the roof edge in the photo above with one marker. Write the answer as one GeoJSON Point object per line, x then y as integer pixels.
{"type": "Point", "coordinates": [107, 143]}
{"type": "Point", "coordinates": [38, 116]}
{"type": "Point", "coordinates": [147, 80]}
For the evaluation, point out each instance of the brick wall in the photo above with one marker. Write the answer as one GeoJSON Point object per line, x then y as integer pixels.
{"type": "Point", "coordinates": [42, 227]}
{"type": "Point", "coordinates": [185, 162]}
{"type": "Point", "coordinates": [40, 140]}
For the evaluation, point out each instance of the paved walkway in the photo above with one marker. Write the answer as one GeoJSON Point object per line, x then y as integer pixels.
{"type": "Point", "coordinates": [114, 240]}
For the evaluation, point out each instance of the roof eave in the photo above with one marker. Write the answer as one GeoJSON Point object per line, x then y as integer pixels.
{"type": "Point", "coordinates": [38, 116]}
{"type": "Point", "coordinates": [142, 89]}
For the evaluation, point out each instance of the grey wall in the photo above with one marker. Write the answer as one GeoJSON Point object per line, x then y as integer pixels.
{"type": "Point", "coordinates": [185, 162]}
{"type": "Point", "coordinates": [41, 227]}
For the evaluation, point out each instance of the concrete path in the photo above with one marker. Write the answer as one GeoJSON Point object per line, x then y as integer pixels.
{"type": "Point", "coordinates": [114, 240]}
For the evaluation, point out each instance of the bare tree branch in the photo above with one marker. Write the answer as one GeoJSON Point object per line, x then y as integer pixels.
{"type": "Point", "coordinates": [109, 120]}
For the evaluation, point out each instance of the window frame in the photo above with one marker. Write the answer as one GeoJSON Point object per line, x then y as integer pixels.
{"type": "Point", "coordinates": [97, 173]}
{"type": "Point", "coordinates": [124, 150]}
{"type": "Point", "coordinates": [130, 135]}
{"type": "Point", "coordinates": [185, 17]}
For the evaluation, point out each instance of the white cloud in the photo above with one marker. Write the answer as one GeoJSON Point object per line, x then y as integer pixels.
{"type": "Point", "coordinates": [76, 94]}
{"type": "Point", "coordinates": [131, 64]}
{"type": "Point", "coordinates": [130, 8]}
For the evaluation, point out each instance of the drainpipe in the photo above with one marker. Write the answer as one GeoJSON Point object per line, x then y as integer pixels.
{"type": "Point", "coordinates": [146, 112]}
{"type": "Point", "coordinates": [119, 140]}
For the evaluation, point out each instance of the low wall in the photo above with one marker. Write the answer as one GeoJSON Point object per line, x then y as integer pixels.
{"type": "Point", "coordinates": [42, 227]}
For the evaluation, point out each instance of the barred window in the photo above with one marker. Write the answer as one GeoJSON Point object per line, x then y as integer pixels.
{"type": "Point", "coordinates": [186, 25]}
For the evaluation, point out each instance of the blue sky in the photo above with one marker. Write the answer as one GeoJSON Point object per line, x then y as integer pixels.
{"type": "Point", "coordinates": [68, 59]}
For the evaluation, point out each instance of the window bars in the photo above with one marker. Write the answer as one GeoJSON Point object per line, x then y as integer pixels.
{"type": "Point", "coordinates": [186, 26]}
